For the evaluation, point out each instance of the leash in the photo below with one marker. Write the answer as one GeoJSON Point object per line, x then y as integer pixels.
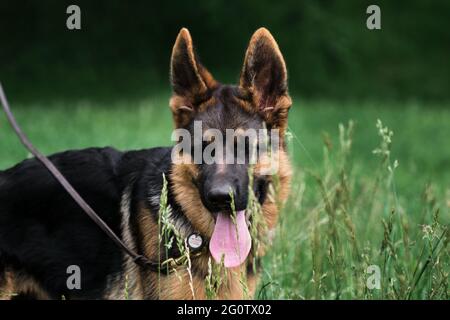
{"type": "Point", "coordinates": [168, 265]}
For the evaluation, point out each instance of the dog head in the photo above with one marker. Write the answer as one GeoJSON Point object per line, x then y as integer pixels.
{"type": "Point", "coordinates": [226, 132]}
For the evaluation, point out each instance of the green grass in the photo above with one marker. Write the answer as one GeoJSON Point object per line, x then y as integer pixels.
{"type": "Point", "coordinates": [347, 210]}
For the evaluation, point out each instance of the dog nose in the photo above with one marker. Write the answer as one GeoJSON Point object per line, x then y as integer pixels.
{"type": "Point", "coordinates": [220, 195]}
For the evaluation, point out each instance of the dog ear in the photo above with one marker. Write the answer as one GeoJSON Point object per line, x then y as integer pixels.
{"type": "Point", "coordinates": [188, 76]}
{"type": "Point", "coordinates": [191, 82]}
{"type": "Point", "coordinates": [264, 77]}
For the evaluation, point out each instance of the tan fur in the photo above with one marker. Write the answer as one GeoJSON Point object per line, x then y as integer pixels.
{"type": "Point", "coordinates": [18, 282]}
{"type": "Point", "coordinates": [129, 282]}
{"type": "Point", "coordinates": [188, 196]}
{"type": "Point", "coordinates": [179, 284]}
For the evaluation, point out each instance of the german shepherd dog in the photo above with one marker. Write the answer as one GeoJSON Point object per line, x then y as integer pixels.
{"type": "Point", "coordinates": [50, 249]}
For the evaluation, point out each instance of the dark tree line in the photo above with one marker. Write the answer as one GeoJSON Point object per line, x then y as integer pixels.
{"type": "Point", "coordinates": [124, 46]}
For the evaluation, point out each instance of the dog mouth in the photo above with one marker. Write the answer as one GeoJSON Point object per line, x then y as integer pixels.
{"type": "Point", "coordinates": [231, 240]}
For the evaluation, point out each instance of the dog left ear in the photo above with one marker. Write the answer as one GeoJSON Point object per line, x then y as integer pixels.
{"type": "Point", "coordinates": [264, 77]}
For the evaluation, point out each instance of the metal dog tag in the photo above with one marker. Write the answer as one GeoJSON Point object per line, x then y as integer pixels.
{"type": "Point", "coordinates": [195, 241]}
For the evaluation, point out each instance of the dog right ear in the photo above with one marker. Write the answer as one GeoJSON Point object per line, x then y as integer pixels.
{"type": "Point", "coordinates": [191, 82]}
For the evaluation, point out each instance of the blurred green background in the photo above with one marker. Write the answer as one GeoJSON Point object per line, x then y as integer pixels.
{"type": "Point", "coordinates": [107, 85]}
{"type": "Point", "coordinates": [124, 47]}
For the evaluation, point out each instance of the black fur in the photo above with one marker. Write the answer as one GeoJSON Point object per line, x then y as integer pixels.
{"type": "Point", "coordinates": [43, 231]}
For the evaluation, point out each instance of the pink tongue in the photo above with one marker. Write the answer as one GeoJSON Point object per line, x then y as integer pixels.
{"type": "Point", "coordinates": [226, 242]}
